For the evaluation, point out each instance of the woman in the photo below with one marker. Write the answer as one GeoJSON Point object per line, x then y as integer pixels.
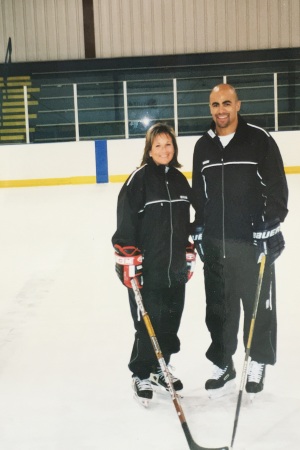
{"type": "Point", "coordinates": [153, 220]}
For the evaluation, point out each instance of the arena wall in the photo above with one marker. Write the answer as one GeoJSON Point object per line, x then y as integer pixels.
{"type": "Point", "coordinates": [88, 162]}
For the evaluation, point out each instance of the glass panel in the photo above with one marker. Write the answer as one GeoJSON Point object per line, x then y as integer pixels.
{"type": "Point", "coordinates": [55, 118]}
{"type": "Point", "coordinates": [101, 110]}
{"type": "Point", "coordinates": [150, 99]}
{"type": "Point", "coordinates": [288, 101]}
{"type": "Point", "coordinates": [256, 93]}
{"type": "Point", "coordinates": [193, 104]}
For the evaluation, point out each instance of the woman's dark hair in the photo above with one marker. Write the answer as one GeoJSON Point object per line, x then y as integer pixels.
{"type": "Point", "coordinates": [152, 132]}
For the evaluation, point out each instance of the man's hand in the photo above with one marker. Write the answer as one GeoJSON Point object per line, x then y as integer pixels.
{"type": "Point", "coordinates": [196, 235]}
{"type": "Point", "coordinates": [269, 241]}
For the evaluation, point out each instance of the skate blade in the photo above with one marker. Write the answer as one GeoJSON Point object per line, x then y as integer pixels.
{"type": "Point", "coordinates": [142, 401]}
{"type": "Point", "coordinates": [229, 388]}
{"type": "Point", "coordinates": [252, 395]}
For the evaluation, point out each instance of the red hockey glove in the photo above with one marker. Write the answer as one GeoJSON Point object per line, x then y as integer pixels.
{"type": "Point", "coordinates": [190, 260]}
{"type": "Point", "coordinates": [269, 241]}
{"type": "Point", "coordinates": [129, 265]}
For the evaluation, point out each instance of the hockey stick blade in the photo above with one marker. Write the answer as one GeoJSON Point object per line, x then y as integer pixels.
{"type": "Point", "coordinates": [192, 443]}
{"type": "Point", "coordinates": [162, 363]}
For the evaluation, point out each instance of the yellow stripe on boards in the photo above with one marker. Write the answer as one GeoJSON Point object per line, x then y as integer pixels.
{"type": "Point", "coordinates": [292, 169]}
{"type": "Point", "coordinates": [88, 179]}
{"type": "Point", "coordinates": [48, 182]}
{"type": "Point", "coordinates": [117, 178]}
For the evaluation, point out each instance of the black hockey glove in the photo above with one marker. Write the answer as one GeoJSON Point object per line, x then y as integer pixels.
{"type": "Point", "coordinates": [269, 241]}
{"type": "Point", "coordinates": [190, 259]}
{"type": "Point", "coordinates": [129, 265]}
{"type": "Point", "coordinates": [197, 238]}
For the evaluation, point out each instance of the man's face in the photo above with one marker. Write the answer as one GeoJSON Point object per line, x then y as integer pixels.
{"type": "Point", "coordinates": [224, 107]}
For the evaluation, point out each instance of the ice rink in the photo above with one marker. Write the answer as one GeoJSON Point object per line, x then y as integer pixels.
{"type": "Point", "coordinates": [66, 336]}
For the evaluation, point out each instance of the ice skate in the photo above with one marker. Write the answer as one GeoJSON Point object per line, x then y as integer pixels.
{"type": "Point", "coordinates": [143, 391]}
{"type": "Point", "coordinates": [255, 379]}
{"type": "Point", "coordinates": [222, 381]}
{"type": "Point", "coordinates": [158, 380]}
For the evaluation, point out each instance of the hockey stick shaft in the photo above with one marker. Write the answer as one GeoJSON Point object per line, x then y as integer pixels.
{"type": "Point", "coordinates": [164, 368]}
{"type": "Point", "coordinates": [248, 347]}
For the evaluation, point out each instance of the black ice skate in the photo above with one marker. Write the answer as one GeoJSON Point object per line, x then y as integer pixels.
{"type": "Point", "coordinates": [142, 390]}
{"type": "Point", "coordinates": [221, 382]}
{"type": "Point", "coordinates": [158, 380]}
{"type": "Point", "coordinates": [255, 378]}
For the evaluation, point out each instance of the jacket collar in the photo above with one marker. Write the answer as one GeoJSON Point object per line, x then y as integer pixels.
{"type": "Point", "coordinates": [212, 129]}
{"type": "Point", "coordinates": [240, 130]}
{"type": "Point", "coordinates": [162, 169]}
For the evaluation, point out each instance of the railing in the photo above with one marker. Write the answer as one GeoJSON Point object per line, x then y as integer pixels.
{"type": "Point", "coordinates": [97, 109]}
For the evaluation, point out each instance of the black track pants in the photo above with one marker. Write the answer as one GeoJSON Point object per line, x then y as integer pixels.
{"type": "Point", "coordinates": [165, 307]}
{"type": "Point", "coordinates": [229, 283]}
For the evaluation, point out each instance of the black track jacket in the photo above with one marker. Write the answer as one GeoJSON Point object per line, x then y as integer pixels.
{"type": "Point", "coordinates": [153, 214]}
{"type": "Point", "coordinates": [236, 186]}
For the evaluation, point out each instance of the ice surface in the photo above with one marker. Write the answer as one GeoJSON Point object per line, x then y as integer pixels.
{"type": "Point", "coordinates": [66, 336]}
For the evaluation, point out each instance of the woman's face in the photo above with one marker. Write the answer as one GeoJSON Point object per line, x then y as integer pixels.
{"type": "Point", "coordinates": [162, 150]}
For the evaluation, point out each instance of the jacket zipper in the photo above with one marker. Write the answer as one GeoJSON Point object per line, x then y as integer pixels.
{"type": "Point", "coordinates": [171, 234]}
{"type": "Point", "coordinates": [223, 209]}
{"type": "Point", "coordinates": [223, 196]}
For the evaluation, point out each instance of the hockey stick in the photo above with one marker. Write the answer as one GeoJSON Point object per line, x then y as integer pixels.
{"type": "Point", "coordinates": [248, 347]}
{"type": "Point", "coordinates": [165, 370]}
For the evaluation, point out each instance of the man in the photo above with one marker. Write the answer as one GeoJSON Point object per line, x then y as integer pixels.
{"type": "Point", "coordinates": [240, 197]}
